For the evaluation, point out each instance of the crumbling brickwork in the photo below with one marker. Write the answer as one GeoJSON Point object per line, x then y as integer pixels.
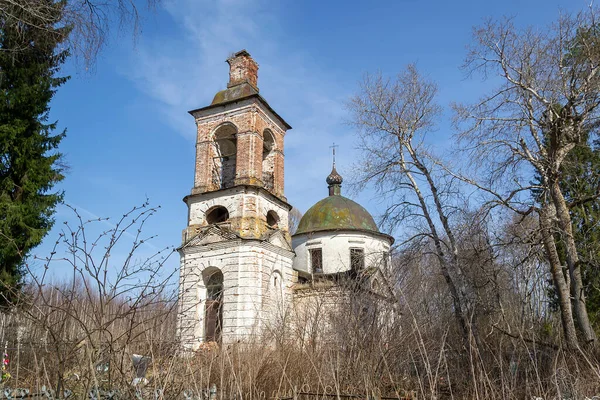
{"type": "Point", "coordinates": [244, 125]}
{"type": "Point", "coordinates": [242, 68]}
{"type": "Point", "coordinates": [250, 119]}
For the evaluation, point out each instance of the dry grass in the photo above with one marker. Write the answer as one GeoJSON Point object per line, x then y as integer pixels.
{"type": "Point", "coordinates": [80, 335]}
{"type": "Point", "coordinates": [412, 357]}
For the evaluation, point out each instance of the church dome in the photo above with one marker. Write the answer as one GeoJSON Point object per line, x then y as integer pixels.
{"type": "Point", "coordinates": [338, 235]}
{"type": "Point", "coordinates": [336, 212]}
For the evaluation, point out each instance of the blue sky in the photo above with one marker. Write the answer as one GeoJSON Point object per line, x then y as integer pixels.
{"type": "Point", "coordinates": [129, 135]}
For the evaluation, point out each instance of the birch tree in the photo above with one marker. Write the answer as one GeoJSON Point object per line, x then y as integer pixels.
{"type": "Point", "coordinates": [393, 118]}
{"type": "Point", "coordinates": [522, 130]}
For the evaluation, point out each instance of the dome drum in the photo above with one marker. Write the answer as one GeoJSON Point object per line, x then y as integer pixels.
{"type": "Point", "coordinates": [328, 252]}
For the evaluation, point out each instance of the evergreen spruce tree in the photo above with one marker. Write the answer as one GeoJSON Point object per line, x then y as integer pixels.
{"type": "Point", "coordinates": [30, 58]}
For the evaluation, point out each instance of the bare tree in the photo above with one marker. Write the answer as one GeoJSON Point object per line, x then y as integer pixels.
{"type": "Point", "coordinates": [294, 218]}
{"type": "Point", "coordinates": [87, 23]}
{"type": "Point", "coordinates": [394, 118]}
{"type": "Point", "coordinates": [109, 308]}
{"type": "Point", "coordinates": [521, 251]}
{"type": "Point", "coordinates": [342, 337]}
{"type": "Point", "coordinates": [521, 131]}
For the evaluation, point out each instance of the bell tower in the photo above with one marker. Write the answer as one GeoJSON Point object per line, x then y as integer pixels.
{"type": "Point", "coordinates": [239, 145]}
{"type": "Point", "coordinates": [236, 248]}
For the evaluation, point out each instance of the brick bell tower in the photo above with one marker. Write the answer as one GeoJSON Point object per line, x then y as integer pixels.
{"type": "Point", "coordinates": [236, 259]}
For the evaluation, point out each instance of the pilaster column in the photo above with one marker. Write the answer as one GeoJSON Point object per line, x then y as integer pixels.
{"type": "Point", "coordinates": [249, 159]}
{"type": "Point", "coordinates": [203, 179]}
{"type": "Point", "coordinates": [279, 174]}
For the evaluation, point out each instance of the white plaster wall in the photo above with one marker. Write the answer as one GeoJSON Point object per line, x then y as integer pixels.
{"type": "Point", "coordinates": [248, 268]}
{"type": "Point", "coordinates": [336, 246]}
{"type": "Point", "coordinates": [240, 202]}
{"type": "Point", "coordinates": [187, 322]}
{"type": "Point", "coordinates": [312, 313]}
{"type": "Point", "coordinates": [318, 313]}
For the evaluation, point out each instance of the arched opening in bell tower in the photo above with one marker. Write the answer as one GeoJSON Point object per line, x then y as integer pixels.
{"type": "Point", "coordinates": [224, 160]}
{"type": "Point", "coordinates": [213, 310]}
{"type": "Point", "coordinates": [216, 215]}
{"type": "Point", "coordinates": [272, 219]}
{"type": "Point", "coordinates": [268, 160]}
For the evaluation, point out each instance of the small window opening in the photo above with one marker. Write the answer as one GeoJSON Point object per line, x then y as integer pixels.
{"type": "Point", "coordinates": [272, 219]}
{"type": "Point", "coordinates": [357, 259]}
{"type": "Point", "coordinates": [216, 215]}
{"type": "Point", "coordinates": [275, 282]}
{"type": "Point", "coordinates": [316, 261]}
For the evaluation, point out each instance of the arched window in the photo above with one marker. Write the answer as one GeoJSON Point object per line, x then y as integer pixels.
{"type": "Point", "coordinates": [217, 214]}
{"type": "Point", "coordinates": [268, 157]}
{"type": "Point", "coordinates": [213, 310]}
{"type": "Point", "coordinates": [272, 219]}
{"type": "Point", "coordinates": [224, 160]}
{"type": "Point", "coordinates": [276, 282]}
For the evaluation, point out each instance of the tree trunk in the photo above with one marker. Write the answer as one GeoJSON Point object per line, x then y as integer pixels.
{"type": "Point", "coordinates": [459, 308]}
{"type": "Point", "coordinates": [565, 225]}
{"type": "Point", "coordinates": [561, 285]}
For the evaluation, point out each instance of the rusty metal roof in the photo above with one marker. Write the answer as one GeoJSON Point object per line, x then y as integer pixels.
{"type": "Point", "coordinates": [336, 213]}
{"type": "Point", "coordinates": [236, 92]}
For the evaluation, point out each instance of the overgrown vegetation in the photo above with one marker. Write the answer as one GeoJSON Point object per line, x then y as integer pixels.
{"type": "Point", "coordinates": [80, 335]}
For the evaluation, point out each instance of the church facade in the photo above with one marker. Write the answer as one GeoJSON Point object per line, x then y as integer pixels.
{"type": "Point", "coordinates": [240, 266]}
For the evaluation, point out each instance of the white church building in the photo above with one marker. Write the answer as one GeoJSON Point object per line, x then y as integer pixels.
{"type": "Point", "coordinates": [239, 264]}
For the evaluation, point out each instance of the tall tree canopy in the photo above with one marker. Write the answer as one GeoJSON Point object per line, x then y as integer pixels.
{"type": "Point", "coordinates": [545, 105]}
{"type": "Point", "coordinates": [29, 166]}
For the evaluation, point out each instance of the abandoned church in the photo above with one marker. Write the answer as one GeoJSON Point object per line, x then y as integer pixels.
{"type": "Point", "coordinates": [240, 266]}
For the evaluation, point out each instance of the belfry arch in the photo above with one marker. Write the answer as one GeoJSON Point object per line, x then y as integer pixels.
{"type": "Point", "coordinates": [225, 155]}
{"type": "Point", "coordinates": [268, 159]}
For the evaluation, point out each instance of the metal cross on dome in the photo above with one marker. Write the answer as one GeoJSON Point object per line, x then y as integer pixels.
{"type": "Point", "coordinates": [333, 147]}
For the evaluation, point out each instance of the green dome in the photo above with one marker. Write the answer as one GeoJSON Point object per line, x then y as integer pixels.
{"type": "Point", "coordinates": [336, 213]}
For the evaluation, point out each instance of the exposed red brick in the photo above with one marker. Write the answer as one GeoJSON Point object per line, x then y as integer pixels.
{"type": "Point", "coordinates": [242, 68]}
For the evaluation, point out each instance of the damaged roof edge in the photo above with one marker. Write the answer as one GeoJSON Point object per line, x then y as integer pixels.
{"type": "Point", "coordinates": [382, 235]}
